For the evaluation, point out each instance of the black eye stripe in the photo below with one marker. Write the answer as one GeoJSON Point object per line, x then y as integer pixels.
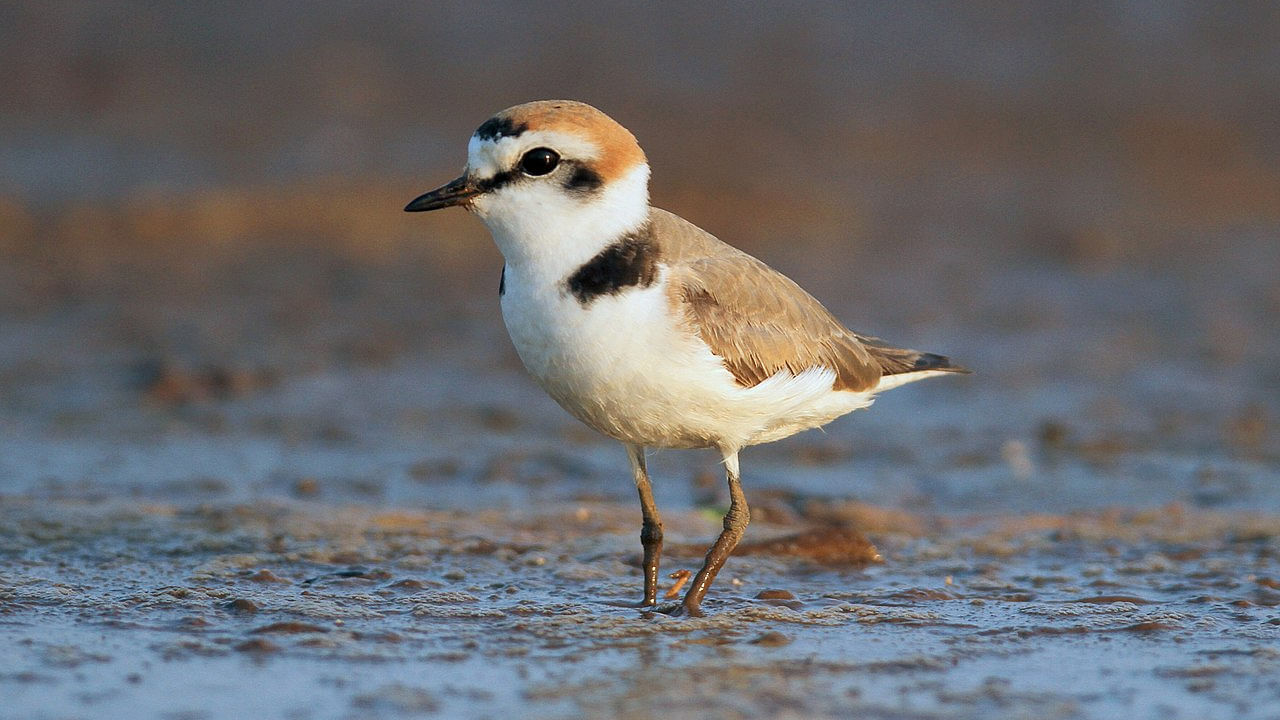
{"type": "Point", "coordinates": [500, 180]}
{"type": "Point", "coordinates": [583, 179]}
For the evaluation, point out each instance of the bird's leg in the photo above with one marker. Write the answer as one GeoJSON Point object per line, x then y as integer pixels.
{"type": "Point", "coordinates": [735, 523]}
{"type": "Point", "coordinates": [651, 530]}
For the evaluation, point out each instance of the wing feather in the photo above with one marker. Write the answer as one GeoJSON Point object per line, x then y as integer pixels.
{"type": "Point", "coordinates": [758, 321]}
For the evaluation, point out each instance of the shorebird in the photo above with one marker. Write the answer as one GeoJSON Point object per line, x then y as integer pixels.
{"type": "Point", "coordinates": [644, 326]}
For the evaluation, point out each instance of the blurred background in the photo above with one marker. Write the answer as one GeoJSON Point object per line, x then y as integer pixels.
{"type": "Point", "coordinates": [208, 288]}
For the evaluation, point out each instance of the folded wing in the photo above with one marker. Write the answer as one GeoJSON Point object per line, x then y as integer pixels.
{"type": "Point", "coordinates": [758, 321]}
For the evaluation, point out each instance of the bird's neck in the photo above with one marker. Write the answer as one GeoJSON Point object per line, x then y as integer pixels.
{"type": "Point", "coordinates": [550, 234]}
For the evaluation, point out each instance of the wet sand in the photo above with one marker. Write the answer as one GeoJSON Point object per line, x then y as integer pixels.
{"type": "Point", "coordinates": [302, 609]}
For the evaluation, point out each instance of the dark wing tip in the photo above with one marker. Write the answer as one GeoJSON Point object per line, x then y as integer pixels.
{"type": "Point", "coordinates": [933, 361]}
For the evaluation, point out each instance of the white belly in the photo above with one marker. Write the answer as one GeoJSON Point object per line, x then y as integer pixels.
{"type": "Point", "coordinates": [626, 367]}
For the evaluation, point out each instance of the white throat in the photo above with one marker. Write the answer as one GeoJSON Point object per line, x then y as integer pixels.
{"type": "Point", "coordinates": [542, 229]}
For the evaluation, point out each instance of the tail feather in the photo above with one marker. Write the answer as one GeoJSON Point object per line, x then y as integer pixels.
{"type": "Point", "coordinates": [902, 361]}
{"type": "Point", "coordinates": [925, 361]}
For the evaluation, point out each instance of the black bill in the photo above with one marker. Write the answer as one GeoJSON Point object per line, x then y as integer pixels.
{"type": "Point", "coordinates": [457, 192]}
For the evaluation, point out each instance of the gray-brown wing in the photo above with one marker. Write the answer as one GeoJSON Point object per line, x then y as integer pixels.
{"type": "Point", "coordinates": [759, 322]}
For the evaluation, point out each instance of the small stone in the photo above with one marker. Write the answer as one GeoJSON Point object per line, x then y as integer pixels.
{"type": "Point", "coordinates": [773, 638]}
{"type": "Point", "coordinates": [266, 576]}
{"type": "Point", "coordinates": [240, 605]}
{"type": "Point", "coordinates": [288, 627]}
{"type": "Point", "coordinates": [258, 645]}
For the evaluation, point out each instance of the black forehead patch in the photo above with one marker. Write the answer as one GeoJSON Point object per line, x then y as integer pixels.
{"type": "Point", "coordinates": [496, 127]}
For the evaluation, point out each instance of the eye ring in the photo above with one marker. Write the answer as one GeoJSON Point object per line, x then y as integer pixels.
{"type": "Point", "coordinates": [539, 161]}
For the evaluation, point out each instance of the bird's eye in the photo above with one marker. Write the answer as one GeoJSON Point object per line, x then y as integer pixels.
{"type": "Point", "coordinates": [539, 161]}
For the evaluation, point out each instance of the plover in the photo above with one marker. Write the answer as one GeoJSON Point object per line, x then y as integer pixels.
{"type": "Point", "coordinates": [646, 327]}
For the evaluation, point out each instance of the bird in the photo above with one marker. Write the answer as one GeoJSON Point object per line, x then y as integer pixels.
{"type": "Point", "coordinates": [644, 326]}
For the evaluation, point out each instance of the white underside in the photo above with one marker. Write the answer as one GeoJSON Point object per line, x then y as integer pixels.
{"type": "Point", "coordinates": [625, 366]}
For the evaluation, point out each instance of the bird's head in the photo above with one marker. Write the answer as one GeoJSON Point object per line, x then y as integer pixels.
{"type": "Point", "coordinates": [552, 166]}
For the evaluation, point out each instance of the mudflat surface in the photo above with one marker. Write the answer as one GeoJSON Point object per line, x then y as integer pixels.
{"type": "Point", "coordinates": [297, 609]}
{"type": "Point", "coordinates": [438, 539]}
{"type": "Point", "coordinates": [265, 450]}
